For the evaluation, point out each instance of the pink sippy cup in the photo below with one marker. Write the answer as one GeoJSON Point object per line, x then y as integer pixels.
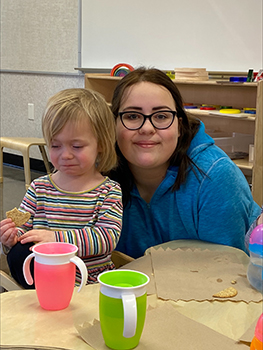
{"type": "Point", "coordinates": [54, 273]}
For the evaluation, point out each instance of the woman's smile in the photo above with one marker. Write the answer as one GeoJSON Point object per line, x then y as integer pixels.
{"type": "Point", "coordinates": [146, 144]}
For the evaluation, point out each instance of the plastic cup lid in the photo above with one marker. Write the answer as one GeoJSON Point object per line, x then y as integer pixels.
{"type": "Point", "coordinates": [257, 235]}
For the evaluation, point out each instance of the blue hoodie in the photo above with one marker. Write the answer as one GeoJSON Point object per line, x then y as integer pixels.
{"type": "Point", "coordinates": [216, 206]}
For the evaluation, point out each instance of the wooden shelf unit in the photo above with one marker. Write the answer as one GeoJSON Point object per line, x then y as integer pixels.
{"type": "Point", "coordinates": [215, 92]}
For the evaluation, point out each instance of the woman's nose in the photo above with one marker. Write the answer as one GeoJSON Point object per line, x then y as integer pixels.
{"type": "Point", "coordinates": [147, 127]}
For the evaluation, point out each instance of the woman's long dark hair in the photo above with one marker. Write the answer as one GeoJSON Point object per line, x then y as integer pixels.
{"type": "Point", "coordinates": [188, 128]}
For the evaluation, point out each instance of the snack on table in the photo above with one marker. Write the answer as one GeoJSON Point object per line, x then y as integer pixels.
{"type": "Point", "coordinates": [18, 216]}
{"type": "Point", "coordinates": [226, 293]}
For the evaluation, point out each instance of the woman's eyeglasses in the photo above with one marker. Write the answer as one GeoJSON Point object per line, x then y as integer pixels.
{"type": "Point", "coordinates": [160, 120]}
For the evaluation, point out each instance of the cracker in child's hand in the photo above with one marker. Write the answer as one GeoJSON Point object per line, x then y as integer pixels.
{"type": "Point", "coordinates": [18, 216]}
{"type": "Point", "coordinates": [226, 293]}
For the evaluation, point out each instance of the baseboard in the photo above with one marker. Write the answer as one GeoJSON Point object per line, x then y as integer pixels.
{"type": "Point", "coordinates": [17, 160]}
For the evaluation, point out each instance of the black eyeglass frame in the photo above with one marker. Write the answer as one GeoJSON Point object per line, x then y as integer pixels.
{"type": "Point", "coordinates": [148, 116]}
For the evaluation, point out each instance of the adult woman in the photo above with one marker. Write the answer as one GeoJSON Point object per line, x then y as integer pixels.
{"type": "Point", "coordinates": [176, 183]}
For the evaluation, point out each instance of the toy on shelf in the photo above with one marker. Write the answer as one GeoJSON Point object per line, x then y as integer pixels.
{"type": "Point", "coordinates": [121, 69]}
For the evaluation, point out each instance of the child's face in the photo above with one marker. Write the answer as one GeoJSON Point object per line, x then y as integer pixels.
{"type": "Point", "coordinates": [74, 150]}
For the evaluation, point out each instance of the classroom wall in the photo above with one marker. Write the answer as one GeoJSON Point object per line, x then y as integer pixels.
{"type": "Point", "coordinates": [39, 35]}
{"type": "Point", "coordinates": [17, 90]}
{"type": "Point", "coordinates": [39, 51]}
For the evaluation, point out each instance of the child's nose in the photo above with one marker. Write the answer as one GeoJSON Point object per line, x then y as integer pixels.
{"type": "Point", "coordinates": [66, 152]}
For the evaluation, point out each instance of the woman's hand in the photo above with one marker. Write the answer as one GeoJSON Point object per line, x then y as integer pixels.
{"type": "Point", "coordinates": [37, 236]}
{"type": "Point", "coordinates": [8, 233]}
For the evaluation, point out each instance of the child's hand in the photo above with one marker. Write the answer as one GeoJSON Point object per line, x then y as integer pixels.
{"type": "Point", "coordinates": [37, 236]}
{"type": "Point", "coordinates": [8, 233]}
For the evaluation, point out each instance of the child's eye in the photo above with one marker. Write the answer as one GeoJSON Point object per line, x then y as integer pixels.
{"type": "Point", "coordinates": [77, 147]}
{"type": "Point", "coordinates": [54, 146]}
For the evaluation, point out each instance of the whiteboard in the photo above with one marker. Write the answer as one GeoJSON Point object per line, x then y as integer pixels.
{"type": "Point", "coordinates": [219, 35]}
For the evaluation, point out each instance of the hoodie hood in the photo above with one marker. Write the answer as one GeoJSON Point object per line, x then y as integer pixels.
{"type": "Point", "coordinates": [200, 142]}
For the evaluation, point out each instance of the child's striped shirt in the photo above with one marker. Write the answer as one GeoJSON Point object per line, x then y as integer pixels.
{"type": "Point", "coordinates": [91, 220]}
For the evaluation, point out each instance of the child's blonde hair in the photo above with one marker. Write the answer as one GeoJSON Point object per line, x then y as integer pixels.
{"type": "Point", "coordinates": [76, 105]}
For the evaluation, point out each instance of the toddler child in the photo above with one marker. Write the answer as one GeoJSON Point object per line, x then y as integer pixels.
{"type": "Point", "coordinates": [76, 203]}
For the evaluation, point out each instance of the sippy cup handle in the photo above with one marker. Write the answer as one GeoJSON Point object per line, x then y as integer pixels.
{"type": "Point", "coordinates": [130, 315]}
{"type": "Point", "coordinates": [26, 269]}
{"type": "Point", "coordinates": [83, 270]}
{"type": "Point", "coordinates": [75, 260]}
